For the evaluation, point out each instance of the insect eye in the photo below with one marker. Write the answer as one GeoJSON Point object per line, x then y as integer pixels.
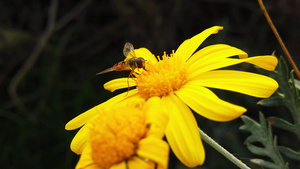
{"type": "Point", "coordinates": [140, 62]}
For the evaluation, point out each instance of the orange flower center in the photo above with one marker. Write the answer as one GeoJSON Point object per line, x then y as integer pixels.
{"type": "Point", "coordinates": [161, 78]}
{"type": "Point", "coordinates": [115, 135]}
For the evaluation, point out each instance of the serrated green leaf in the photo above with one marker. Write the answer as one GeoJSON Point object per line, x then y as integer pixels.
{"type": "Point", "coordinates": [257, 130]}
{"type": "Point", "coordinates": [291, 96]}
{"type": "Point", "coordinates": [290, 153]}
{"type": "Point", "coordinates": [264, 163]}
{"type": "Point", "coordinates": [293, 87]}
{"type": "Point", "coordinates": [262, 121]}
{"type": "Point", "coordinates": [280, 123]}
{"type": "Point", "coordinates": [282, 69]}
{"type": "Point", "coordinates": [297, 84]}
{"type": "Point", "coordinates": [257, 150]}
{"type": "Point", "coordinates": [262, 133]}
{"type": "Point", "coordinates": [272, 101]}
{"type": "Point", "coordinates": [251, 139]}
{"type": "Point", "coordinates": [249, 124]}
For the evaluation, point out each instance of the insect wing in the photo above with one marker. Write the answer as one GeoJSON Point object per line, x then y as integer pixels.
{"type": "Point", "coordinates": [128, 50]}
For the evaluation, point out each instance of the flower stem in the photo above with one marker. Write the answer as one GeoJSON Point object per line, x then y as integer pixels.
{"type": "Point", "coordinates": [221, 150]}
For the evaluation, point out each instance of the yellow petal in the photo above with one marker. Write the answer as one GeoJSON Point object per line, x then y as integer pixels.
{"type": "Point", "coordinates": [119, 83]}
{"type": "Point", "coordinates": [154, 149]}
{"type": "Point", "coordinates": [207, 104]}
{"type": "Point", "coordinates": [242, 82]}
{"type": "Point", "coordinates": [265, 62]}
{"type": "Point", "coordinates": [182, 132]}
{"type": "Point", "coordinates": [136, 162]}
{"type": "Point", "coordinates": [86, 161]}
{"type": "Point", "coordinates": [86, 116]}
{"type": "Point", "coordinates": [213, 57]}
{"type": "Point", "coordinates": [189, 46]}
{"type": "Point", "coordinates": [146, 54]}
{"type": "Point", "coordinates": [135, 101]}
{"type": "Point", "coordinates": [207, 65]}
{"type": "Point", "coordinates": [80, 140]}
{"type": "Point", "coordinates": [121, 165]}
{"type": "Point", "coordinates": [213, 53]}
{"type": "Point", "coordinates": [156, 116]}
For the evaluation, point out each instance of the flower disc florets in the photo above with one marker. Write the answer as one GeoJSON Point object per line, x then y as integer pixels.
{"type": "Point", "coordinates": [115, 135]}
{"type": "Point", "coordinates": [161, 78]}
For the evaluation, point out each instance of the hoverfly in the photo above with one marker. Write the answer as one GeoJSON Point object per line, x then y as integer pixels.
{"type": "Point", "coordinates": [130, 63]}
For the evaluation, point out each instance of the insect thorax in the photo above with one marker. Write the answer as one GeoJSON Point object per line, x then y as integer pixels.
{"type": "Point", "coordinates": [137, 63]}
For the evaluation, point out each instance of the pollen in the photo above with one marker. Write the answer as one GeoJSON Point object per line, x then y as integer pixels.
{"type": "Point", "coordinates": [161, 78]}
{"type": "Point", "coordinates": [115, 135]}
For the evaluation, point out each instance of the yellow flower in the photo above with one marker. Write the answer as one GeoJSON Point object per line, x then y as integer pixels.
{"type": "Point", "coordinates": [181, 81]}
{"type": "Point", "coordinates": [126, 136]}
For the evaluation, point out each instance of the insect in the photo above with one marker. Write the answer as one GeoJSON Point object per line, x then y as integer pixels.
{"type": "Point", "coordinates": [130, 63]}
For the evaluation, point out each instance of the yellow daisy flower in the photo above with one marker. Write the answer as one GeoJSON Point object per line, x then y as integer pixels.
{"type": "Point", "coordinates": [127, 136]}
{"type": "Point", "coordinates": [181, 81]}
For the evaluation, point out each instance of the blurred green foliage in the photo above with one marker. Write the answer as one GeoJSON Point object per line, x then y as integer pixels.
{"type": "Point", "coordinates": [262, 133]}
{"type": "Point", "coordinates": [287, 95]}
{"type": "Point", "coordinates": [87, 37]}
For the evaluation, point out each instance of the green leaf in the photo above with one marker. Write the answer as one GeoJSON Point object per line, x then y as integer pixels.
{"type": "Point", "coordinates": [257, 130]}
{"type": "Point", "coordinates": [280, 123]}
{"type": "Point", "coordinates": [264, 163]}
{"type": "Point", "coordinates": [290, 96]}
{"type": "Point", "coordinates": [262, 133]}
{"type": "Point", "coordinates": [272, 101]}
{"type": "Point", "coordinates": [257, 150]}
{"type": "Point", "coordinates": [290, 153]}
{"type": "Point", "coordinates": [297, 84]}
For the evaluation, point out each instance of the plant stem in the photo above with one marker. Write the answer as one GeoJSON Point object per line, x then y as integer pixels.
{"type": "Point", "coordinates": [223, 151]}
{"type": "Point", "coordinates": [289, 57]}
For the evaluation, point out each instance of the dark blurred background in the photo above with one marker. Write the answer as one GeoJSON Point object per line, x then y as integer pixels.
{"type": "Point", "coordinates": [51, 50]}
